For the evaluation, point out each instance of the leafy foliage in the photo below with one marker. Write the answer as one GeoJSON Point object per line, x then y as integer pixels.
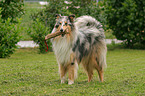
{"type": "Point", "coordinates": [11, 9]}
{"type": "Point", "coordinates": [79, 8]}
{"type": "Point", "coordinates": [47, 16]}
{"type": "Point", "coordinates": [37, 32]}
{"type": "Point", "coordinates": [88, 7]}
{"type": "Point", "coordinates": [9, 36]}
{"type": "Point", "coordinates": [126, 19]}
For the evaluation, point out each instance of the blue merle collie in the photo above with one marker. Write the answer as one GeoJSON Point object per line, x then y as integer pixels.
{"type": "Point", "coordinates": [84, 44]}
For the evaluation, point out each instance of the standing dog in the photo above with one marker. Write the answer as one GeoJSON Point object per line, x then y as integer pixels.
{"type": "Point", "coordinates": [84, 44]}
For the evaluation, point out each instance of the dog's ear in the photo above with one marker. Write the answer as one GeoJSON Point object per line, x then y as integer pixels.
{"type": "Point", "coordinates": [57, 16]}
{"type": "Point", "coordinates": [71, 18]}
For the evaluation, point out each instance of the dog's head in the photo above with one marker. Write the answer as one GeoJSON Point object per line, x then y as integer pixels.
{"type": "Point", "coordinates": [64, 23]}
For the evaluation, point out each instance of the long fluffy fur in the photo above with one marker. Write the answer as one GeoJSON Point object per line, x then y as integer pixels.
{"type": "Point", "coordinates": [91, 32]}
{"type": "Point", "coordinates": [84, 45]}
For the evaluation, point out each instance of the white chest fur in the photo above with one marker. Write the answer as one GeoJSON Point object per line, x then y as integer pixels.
{"type": "Point", "coordinates": [62, 48]}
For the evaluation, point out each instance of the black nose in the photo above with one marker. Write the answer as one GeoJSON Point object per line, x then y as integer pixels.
{"type": "Point", "coordinates": [61, 30]}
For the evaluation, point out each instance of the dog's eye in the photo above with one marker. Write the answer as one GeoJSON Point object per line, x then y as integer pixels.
{"type": "Point", "coordinates": [60, 22]}
{"type": "Point", "coordinates": [56, 26]}
{"type": "Point", "coordinates": [65, 23]}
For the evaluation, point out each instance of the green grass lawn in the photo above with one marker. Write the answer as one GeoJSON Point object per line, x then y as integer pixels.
{"type": "Point", "coordinates": [31, 74]}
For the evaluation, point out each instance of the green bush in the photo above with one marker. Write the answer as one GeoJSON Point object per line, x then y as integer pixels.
{"type": "Point", "coordinates": [78, 7]}
{"type": "Point", "coordinates": [47, 16]}
{"type": "Point", "coordinates": [88, 7]}
{"type": "Point", "coordinates": [9, 36]}
{"type": "Point", "coordinates": [126, 19]}
{"type": "Point", "coordinates": [11, 9]}
{"type": "Point", "coordinates": [37, 32]}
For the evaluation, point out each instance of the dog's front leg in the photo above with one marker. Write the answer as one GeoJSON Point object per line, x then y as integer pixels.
{"type": "Point", "coordinates": [72, 72]}
{"type": "Point", "coordinates": [62, 71]}
{"type": "Point", "coordinates": [71, 75]}
{"type": "Point", "coordinates": [72, 58]}
{"type": "Point", "coordinates": [72, 69]}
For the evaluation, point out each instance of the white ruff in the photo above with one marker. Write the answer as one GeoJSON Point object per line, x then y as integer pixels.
{"type": "Point", "coordinates": [62, 48]}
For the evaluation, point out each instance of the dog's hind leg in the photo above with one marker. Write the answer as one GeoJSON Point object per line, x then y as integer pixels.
{"type": "Point", "coordinates": [101, 75]}
{"type": "Point", "coordinates": [90, 75]}
{"type": "Point", "coordinates": [100, 71]}
{"type": "Point", "coordinates": [62, 70]}
{"type": "Point", "coordinates": [72, 73]}
{"type": "Point", "coordinates": [100, 58]}
{"type": "Point", "coordinates": [89, 70]}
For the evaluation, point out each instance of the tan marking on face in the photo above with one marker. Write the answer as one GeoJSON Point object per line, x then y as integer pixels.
{"type": "Point", "coordinates": [65, 22]}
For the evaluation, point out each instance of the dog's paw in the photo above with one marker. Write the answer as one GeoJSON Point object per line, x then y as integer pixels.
{"type": "Point", "coordinates": [70, 82]}
{"type": "Point", "coordinates": [63, 80]}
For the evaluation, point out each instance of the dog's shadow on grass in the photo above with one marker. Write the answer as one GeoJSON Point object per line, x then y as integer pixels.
{"type": "Point", "coordinates": [53, 82]}
{"type": "Point", "coordinates": [86, 82]}
{"type": "Point", "coordinates": [77, 82]}
{"type": "Point", "coordinates": [59, 82]}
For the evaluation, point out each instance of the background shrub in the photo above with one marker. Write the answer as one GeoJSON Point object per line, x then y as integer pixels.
{"type": "Point", "coordinates": [77, 7]}
{"type": "Point", "coordinates": [9, 32]}
{"type": "Point", "coordinates": [11, 9]}
{"type": "Point", "coordinates": [9, 36]}
{"type": "Point", "coordinates": [47, 15]}
{"type": "Point", "coordinates": [87, 7]}
{"type": "Point", "coordinates": [37, 32]}
{"type": "Point", "coordinates": [126, 19]}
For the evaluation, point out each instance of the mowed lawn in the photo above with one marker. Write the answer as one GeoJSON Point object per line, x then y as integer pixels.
{"type": "Point", "coordinates": [31, 74]}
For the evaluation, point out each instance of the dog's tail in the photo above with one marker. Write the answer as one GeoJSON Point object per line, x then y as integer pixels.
{"type": "Point", "coordinates": [89, 24]}
{"type": "Point", "coordinates": [93, 28]}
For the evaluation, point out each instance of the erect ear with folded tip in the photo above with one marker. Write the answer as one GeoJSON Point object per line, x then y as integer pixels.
{"type": "Point", "coordinates": [71, 18]}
